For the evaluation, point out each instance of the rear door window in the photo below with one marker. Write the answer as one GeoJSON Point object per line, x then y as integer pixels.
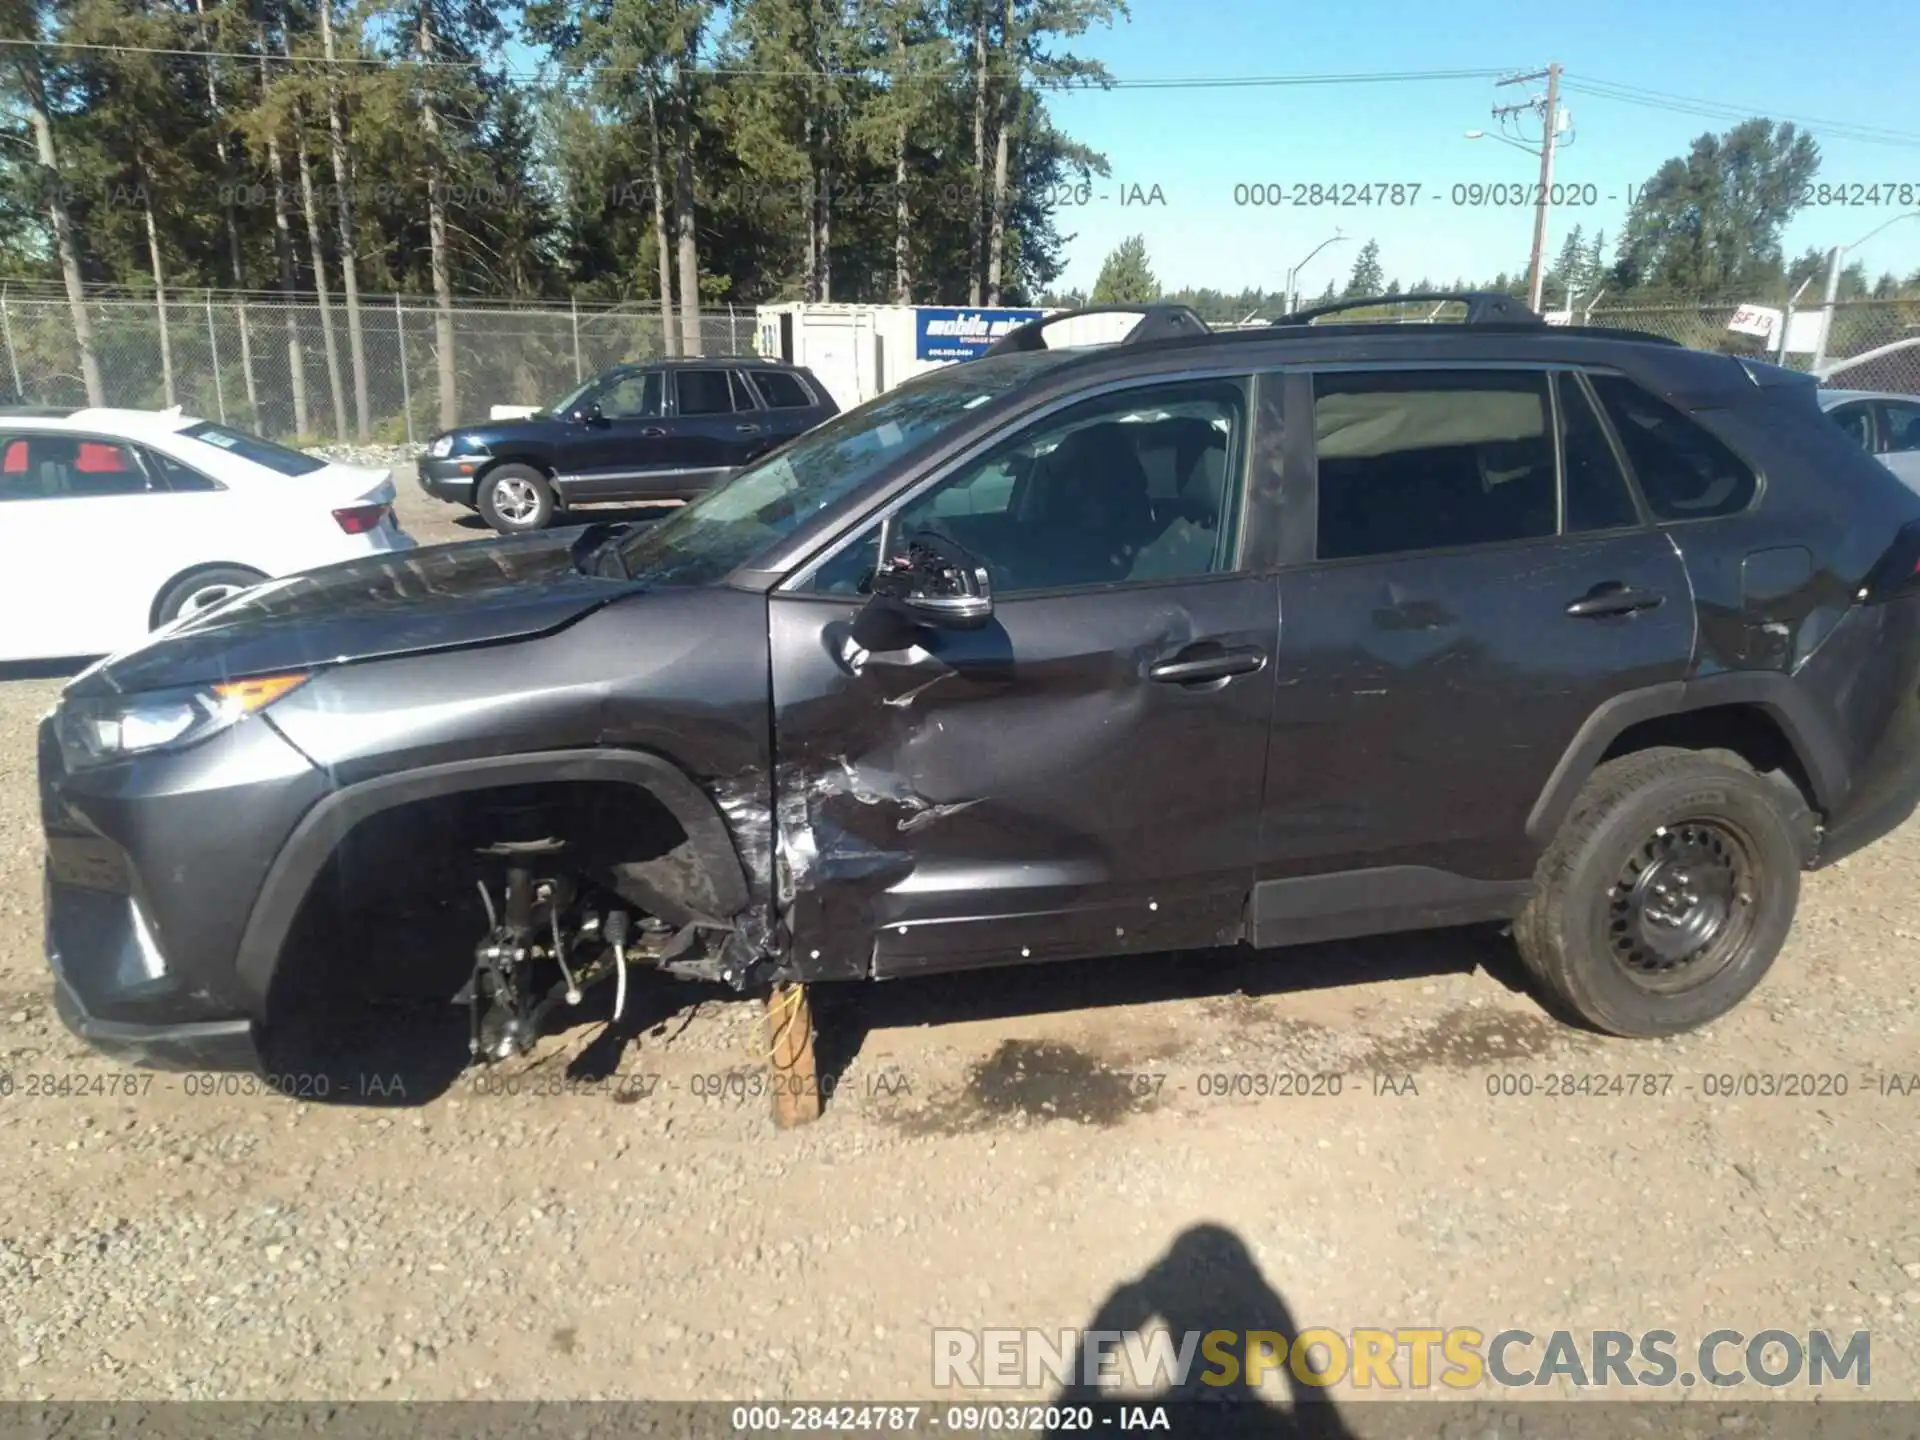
{"type": "Point", "coordinates": [1685, 473]}
{"type": "Point", "coordinates": [277, 458]}
{"type": "Point", "coordinates": [1432, 459]}
{"type": "Point", "coordinates": [742, 396]}
{"type": "Point", "coordinates": [1857, 420]}
{"type": "Point", "coordinates": [703, 392]}
{"type": "Point", "coordinates": [1597, 494]}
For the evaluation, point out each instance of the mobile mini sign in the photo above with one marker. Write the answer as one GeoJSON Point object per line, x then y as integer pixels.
{"type": "Point", "coordinates": [940, 334]}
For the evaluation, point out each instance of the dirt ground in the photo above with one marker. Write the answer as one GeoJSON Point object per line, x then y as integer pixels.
{"type": "Point", "coordinates": [616, 1217]}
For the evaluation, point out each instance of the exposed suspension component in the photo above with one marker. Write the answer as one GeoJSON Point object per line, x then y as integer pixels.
{"type": "Point", "coordinates": [540, 926]}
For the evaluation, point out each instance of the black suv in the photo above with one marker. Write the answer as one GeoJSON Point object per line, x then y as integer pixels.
{"type": "Point", "coordinates": [668, 430]}
{"type": "Point", "coordinates": [1193, 640]}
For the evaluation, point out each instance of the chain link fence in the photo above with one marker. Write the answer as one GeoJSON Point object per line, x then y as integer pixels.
{"type": "Point", "coordinates": [272, 367]}
{"type": "Point", "coordinates": [1868, 345]}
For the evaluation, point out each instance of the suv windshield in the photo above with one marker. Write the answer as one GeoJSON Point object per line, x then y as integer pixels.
{"type": "Point", "coordinates": [251, 447]}
{"type": "Point", "coordinates": [564, 405]}
{"type": "Point", "coordinates": [770, 499]}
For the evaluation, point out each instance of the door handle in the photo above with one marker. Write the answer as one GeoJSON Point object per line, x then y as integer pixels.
{"type": "Point", "coordinates": [652, 432]}
{"type": "Point", "coordinates": [1612, 598]}
{"type": "Point", "coordinates": [1202, 669]}
{"type": "Point", "coordinates": [748, 429]}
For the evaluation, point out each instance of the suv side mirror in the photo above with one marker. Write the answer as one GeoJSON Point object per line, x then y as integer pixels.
{"type": "Point", "coordinates": [925, 579]}
{"type": "Point", "coordinates": [587, 414]}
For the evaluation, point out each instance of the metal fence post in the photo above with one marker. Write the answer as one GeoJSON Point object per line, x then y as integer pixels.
{"type": "Point", "coordinates": [579, 373]}
{"type": "Point", "coordinates": [213, 346]}
{"type": "Point", "coordinates": [6, 328]}
{"type": "Point", "coordinates": [1786, 321]}
{"type": "Point", "coordinates": [406, 390]}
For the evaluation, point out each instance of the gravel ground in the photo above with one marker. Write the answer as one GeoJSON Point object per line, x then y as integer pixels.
{"type": "Point", "coordinates": [1001, 1150]}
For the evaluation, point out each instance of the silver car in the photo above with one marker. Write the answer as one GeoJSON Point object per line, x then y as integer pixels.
{"type": "Point", "coordinates": [1886, 426]}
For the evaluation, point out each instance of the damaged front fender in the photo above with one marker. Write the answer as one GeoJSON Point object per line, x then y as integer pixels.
{"type": "Point", "coordinates": [798, 850]}
{"type": "Point", "coordinates": [700, 881]}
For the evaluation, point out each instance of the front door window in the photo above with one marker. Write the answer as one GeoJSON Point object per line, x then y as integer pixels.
{"type": "Point", "coordinates": [1133, 487]}
{"type": "Point", "coordinates": [632, 397]}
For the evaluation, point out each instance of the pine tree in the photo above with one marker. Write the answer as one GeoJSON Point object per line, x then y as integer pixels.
{"type": "Point", "coordinates": [1367, 278]}
{"type": "Point", "coordinates": [1593, 276]}
{"type": "Point", "coordinates": [1125, 277]}
{"type": "Point", "coordinates": [1567, 274]}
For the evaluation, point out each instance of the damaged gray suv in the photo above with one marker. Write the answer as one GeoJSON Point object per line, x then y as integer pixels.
{"type": "Point", "coordinates": [1193, 640]}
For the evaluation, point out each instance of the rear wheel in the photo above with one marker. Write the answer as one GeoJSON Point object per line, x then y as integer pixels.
{"type": "Point", "coordinates": [202, 590]}
{"type": "Point", "coordinates": [1667, 894]}
{"type": "Point", "coordinates": [515, 499]}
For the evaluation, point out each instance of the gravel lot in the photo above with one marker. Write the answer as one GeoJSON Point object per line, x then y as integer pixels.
{"type": "Point", "coordinates": [1002, 1150]}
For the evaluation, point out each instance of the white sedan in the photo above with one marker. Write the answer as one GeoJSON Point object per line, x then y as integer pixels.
{"type": "Point", "coordinates": [1885, 426]}
{"type": "Point", "coordinates": [115, 522]}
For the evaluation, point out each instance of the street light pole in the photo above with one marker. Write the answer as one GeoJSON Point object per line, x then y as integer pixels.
{"type": "Point", "coordinates": [1826, 315]}
{"type": "Point", "coordinates": [1293, 296]}
{"type": "Point", "coordinates": [1786, 322]}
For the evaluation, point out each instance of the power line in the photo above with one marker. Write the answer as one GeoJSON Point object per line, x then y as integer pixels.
{"type": "Point", "coordinates": [1592, 86]}
{"type": "Point", "coordinates": [954, 71]}
{"type": "Point", "coordinates": [1721, 110]}
{"type": "Point", "coordinates": [1671, 97]}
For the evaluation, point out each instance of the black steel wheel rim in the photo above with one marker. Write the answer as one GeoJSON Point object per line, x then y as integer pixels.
{"type": "Point", "coordinates": [1682, 908]}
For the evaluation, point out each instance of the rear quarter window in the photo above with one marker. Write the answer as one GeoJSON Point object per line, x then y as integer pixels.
{"type": "Point", "coordinates": [277, 458]}
{"type": "Point", "coordinates": [781, 391]}
{"type": "Point", "coordinates": [1684, 471]}
{"type": "Point", "coordinates": [179, 479]}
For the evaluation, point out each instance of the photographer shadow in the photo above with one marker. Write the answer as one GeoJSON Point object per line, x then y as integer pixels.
{"type": "Point", "coordinates": [1208, 1281]}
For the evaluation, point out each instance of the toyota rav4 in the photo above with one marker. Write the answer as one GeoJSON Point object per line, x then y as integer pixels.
{"type": "Point", "coordinates": [1189, 641]}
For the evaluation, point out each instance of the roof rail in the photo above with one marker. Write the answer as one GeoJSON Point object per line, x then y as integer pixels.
{"type": "Point", "coordinates": [1484, 307]}
{"type": "Point", "coordinates": [1157, 322]}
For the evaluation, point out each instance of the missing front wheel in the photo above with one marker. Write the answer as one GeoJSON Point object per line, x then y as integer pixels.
{"type": "Point", "coordinates": [535, 952]}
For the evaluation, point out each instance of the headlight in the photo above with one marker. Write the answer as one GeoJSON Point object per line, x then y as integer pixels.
{"type": "Point", "coordinates": [441, 447]}
{"type": "Point", "coordinates": [99, 729]}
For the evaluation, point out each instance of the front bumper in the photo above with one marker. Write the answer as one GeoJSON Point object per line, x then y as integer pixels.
{"type": "Point", "coordinates": [194, 1045]}
{"type": "Point", "coordinates": [450, 479]}
{"type": "Point", "coordinates": [153, 865]}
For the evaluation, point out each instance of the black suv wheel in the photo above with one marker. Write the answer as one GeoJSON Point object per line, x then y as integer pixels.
{"type": "Point", "coordinates": [515, 499]}
{"type": "Point", "coordinates": [1667, 893]}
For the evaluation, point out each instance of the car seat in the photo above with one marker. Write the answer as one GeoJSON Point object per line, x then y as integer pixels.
{"type": "Point", "coordinates": [1188, 524]}
{"type": "Point", "coordinates": [49, 465]}
{"type": "Point", "coordinates": [1088, 505]}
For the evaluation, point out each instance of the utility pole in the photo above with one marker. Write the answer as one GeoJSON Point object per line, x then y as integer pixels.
{"type": "Point", "coordinates": [1548, 108]}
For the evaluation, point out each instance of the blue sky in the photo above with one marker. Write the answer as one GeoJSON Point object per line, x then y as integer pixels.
{"type": "Point", "coordinates": [1764, 56]}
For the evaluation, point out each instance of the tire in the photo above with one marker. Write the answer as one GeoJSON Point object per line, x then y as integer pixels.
{"type": "Point", "coordinates": [1621, 928]}
{"type": "Point", "coordinates": [202, 589]}
{"type": "Point", "coordinates": [515, 499]}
